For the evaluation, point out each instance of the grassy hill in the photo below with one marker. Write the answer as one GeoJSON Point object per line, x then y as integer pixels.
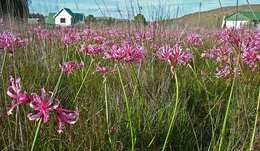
{"type": "Point", "coordinates": [211, 18]}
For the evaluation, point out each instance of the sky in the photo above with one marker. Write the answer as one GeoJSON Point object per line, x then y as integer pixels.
{"type": "Point", "coordinates": [152, 9]}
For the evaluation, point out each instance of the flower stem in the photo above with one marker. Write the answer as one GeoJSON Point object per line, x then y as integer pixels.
{"type": "Point", "coordinates": [173, 112]}
{"type": "Point", "coordinates": [84, 79]}
{"type": "Point", "coordinates": [255, 125]}
{"type": "Point", "coordinates": [107, 114]}
{"type": "Point", "coordinates": [128, 110]}
{"type": "Point", "coordinates": [36, 134]}
{"type": "Point", "coordinates": [3, 64]}
{"type": "Point", "coordinates": [61, 73]}
{"type": "Point", "coordinates": [223, 130]}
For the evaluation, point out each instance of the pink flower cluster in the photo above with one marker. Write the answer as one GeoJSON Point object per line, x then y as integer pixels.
{"type": "Point", "coordinates": [41, 32]}
{"type": "Point", "coordinates": [126, 52]}
{"type": "Point", "coordinates": [102, 69]}
{"type": "Point", "coordinates": [234, 37]}
{"type": "Point", "coordinates": [9, 41]}
{"type": "Point", "coordinates": [251, 54]}
{"type": "Point", "coordinates": [43, 105]}
{"type": "Point", "coordinates": [71, 37]}
{"type": "Point", "coordinates": [174, 55]}
{"type": "Point", "coordinates": [195, 40]}
{"type": "Point", "coordinates": [92, 49]}
{"type": "Point", "coordinates": [223, 56]}
{"type": "Point", "coordinates": [70, 66]}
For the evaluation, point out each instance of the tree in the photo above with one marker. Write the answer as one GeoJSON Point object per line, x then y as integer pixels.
{"type": "Point", "coordinates": [14, 8]}
{"type": "Point", "coordinates": [90, 19]}
{"type": "Point", "coordinates": [140, 19]}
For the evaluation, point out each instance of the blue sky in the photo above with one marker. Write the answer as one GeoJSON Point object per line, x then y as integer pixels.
{"type": "Point", "coordinates": [128, 8]}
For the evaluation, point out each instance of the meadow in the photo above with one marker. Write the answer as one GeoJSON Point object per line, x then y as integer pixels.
{"type": "Point", "coordinates": [129, 88]}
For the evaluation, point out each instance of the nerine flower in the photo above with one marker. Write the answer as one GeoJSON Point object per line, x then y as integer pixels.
{"type": "Point", "coordinates": [41, 32]}
{"type": "Point", "coordinates": [133, 53]}
{"type": "Point", "coordinates": [42, 106]}
{"type": "Point", "coordinates": [9, 41]}
{"type": "Point", "coordinates": [102, 69]}
{"type": "Point", "coordinates": [70, 66]}
{"type": "Point", "coordinates": [16, 93]}
{"type": "Point", "coordinates": [71, 38]}
{"type": "Point", "coordinates": [92, 49]}
{"type": "Point", "coordinates": [126, 52]}
{"type": "Point", "coordinates": [174, 55]}
{"type": "Point", "coordinates": [65, 116]}
{"type": "Point", "coordinates": [195, 39]}
{"type": "Point", "coordinates": [221, 54]}
{"type": "Point", "coordinates": [251, 53]}
{"type": "Point", "coordinates": [116, 53]}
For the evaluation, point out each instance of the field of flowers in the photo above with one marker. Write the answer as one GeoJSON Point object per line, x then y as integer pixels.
{"type": "Point", "coordinates": [112, 88]}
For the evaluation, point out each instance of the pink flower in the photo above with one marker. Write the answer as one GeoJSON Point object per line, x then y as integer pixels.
{"type": "Point", "coordinates": [17, 94]}
{"type": "Point", "coordinates": [195, 40]}
{"type": "Point", "coordinates": [92, 49]}
{"type": "Point", "coordinates": [251, 53]}
{"type": "Point", "coordinates": [70, 66]}
{"type": "Point", "coordinates": [9, 41]}
{"type": "Point", "coordinates": [116, 53]}
{"type": "Point", "coordinates": [65, 116]}
{"type": "Point", "coordinates": [226, 71]}
{"type": "Point", "coordinates": [42, 106]}
{"type": "Point", "coordinates": [221, 55]}
{"type": "Point", "coordinates": [164, 53]}
{"type": "Point", "coordinates": [126, 52]}
{"type": "Point", "coordinates": [252, 58]}
{"type": "Point", "coordinates": [175, 55]}
{"type": "Point", "coordinates": [133, 54]}
{"type": "Point", "coordinates": [41, 32]}
{"type": "Point", "coordinates": [102, 69]}
{"type": "Point", "coordinates": [71, 38]}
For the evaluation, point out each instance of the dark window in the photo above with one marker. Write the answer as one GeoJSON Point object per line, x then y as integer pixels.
{"type": "Point", "coordinates": [62, 20]}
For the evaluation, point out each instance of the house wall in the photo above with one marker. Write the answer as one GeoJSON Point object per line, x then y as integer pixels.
{"type": "Point", "coordinates": [235, 24]}
{"type": "Point", "coordinates": [66, 15]}
{"type": "Point", "coordinates": [258, 27]}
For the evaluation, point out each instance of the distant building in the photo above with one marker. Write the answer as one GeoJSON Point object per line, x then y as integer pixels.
{"type": "Point", "coordinates": [65, 17]}
{"type": "Point", "coordinates": [36, 19]}
{"type": "Point", "coordinates": [242, 19]}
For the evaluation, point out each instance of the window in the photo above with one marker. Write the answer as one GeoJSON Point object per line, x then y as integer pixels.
{"type": "Point", "coordinates": [62, 20]}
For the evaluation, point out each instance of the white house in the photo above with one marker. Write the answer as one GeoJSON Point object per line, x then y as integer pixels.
{"type": "Point", "coordinates": [65, 17]}
{"type": "Point", "coordinates": [242, 19]}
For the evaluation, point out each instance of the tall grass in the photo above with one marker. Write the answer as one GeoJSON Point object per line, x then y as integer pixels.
{"type": "Point", "coordinates": [137, 106]}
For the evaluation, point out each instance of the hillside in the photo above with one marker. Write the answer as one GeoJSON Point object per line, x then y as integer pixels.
{"type": "Point", "coordinates": [211, 18]}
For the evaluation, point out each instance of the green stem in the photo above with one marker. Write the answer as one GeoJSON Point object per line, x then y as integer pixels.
{"type": "Point", "coordinates": [84, 79]}
{"type": "Point", "coordinates": [61, 73]}
{"type": "Point", "coordinates": [255, 125]}
{"type": "Point", "coordinates": [223, 130]}
{"type": "Point", "coordinates": [173, 112]}
{"type": "Point", "coordinates": [106, 103]}
{"type": "Point", "coordinates": [127, 109]}
{"type": "Point", "coordinates": [36, 134]}
{"type": "Point", "coordinates": [3, 64]}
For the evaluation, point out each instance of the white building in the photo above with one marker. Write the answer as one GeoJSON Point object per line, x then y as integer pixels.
{"type": "Point", "coordinates": [65, 17]}
{"type": "Point", "coordinates": [242, 19]}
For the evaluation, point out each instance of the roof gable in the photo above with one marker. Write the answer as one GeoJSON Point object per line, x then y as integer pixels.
{"type": "Point", "coordinates": [65, 9]}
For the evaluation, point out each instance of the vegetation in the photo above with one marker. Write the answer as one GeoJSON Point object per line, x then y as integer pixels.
{"type": "Point", "coordinates": [14, 8]}
{"type": "Point", "coordinates": [139, 19]}
{"type": "Point", "coordinates": [154, 89]}
{"type": "Point", "coordinates": [90, 19]}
